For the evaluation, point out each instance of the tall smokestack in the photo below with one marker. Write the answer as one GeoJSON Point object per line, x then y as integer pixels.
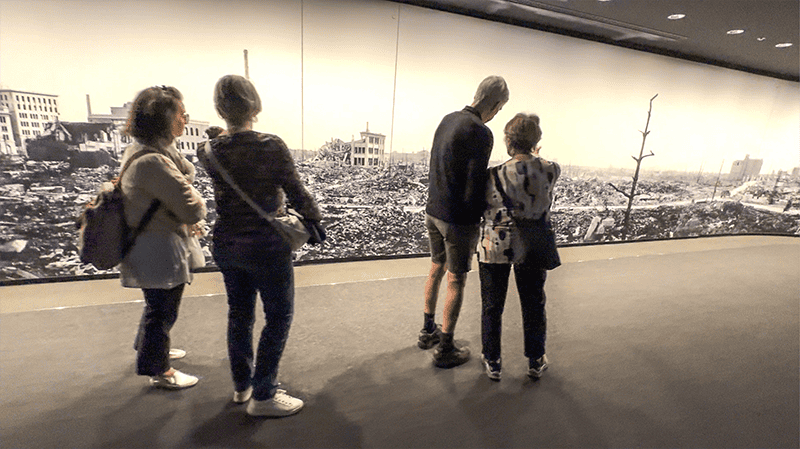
{"type": "Point", "coordinates": [88, 106]}
{"type": "Point", "coordinates": [246, 66]}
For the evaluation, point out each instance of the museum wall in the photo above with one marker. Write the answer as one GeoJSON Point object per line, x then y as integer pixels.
{"type": "Point", "coordinates": [328, 71]}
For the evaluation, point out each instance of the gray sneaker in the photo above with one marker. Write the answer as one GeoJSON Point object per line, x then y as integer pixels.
{"type": "Point", "coordinates": [537, 366]}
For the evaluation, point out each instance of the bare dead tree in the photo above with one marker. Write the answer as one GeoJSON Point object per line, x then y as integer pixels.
{"type": "Point", "coordinates": [632, 194]}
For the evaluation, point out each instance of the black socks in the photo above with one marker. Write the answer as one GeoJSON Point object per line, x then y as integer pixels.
{"type": "Point", "coordinates": [429, 325]}
{"type": "Point", "coordinates": [446, 341]}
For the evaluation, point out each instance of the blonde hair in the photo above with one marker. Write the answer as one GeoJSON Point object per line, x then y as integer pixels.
{"type": "Point", "coordinates": [236, 100]}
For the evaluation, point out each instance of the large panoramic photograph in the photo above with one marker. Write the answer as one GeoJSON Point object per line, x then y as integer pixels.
{"type": "Point", "coordinates": [650, 147]}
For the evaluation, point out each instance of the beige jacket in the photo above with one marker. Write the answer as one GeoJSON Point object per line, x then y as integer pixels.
{"type": "Point", "coordinates": [158, 258]}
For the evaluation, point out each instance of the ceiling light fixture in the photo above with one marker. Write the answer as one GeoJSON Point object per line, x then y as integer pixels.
{"type": "Point", "coordinates": [676, 16]}
{"type": "Point", "coordinates": [761, 39]}
{"type": "Point", "coordinates": [554, 12]}
{"type": "Point", "coordinates": [732, 32]}
{"type": "Point", "coordinates": [784, 44]}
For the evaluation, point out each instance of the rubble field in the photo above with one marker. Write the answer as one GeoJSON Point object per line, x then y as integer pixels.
{"type": "Point", "coordinates": [370, 212]}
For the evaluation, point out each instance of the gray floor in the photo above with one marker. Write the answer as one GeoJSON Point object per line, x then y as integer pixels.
{"type": "Point", "coordinates": [691, 343]}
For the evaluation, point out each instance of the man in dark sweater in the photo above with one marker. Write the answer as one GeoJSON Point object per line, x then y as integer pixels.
{"type": "Point", "coordinates": [460, 155]}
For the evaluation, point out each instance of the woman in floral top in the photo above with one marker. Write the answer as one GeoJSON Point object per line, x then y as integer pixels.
{"type": "Point", "coordinates": [528, 181]}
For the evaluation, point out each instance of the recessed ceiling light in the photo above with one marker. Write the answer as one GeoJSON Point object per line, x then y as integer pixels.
{"type": "Point", "coordinates": [735, 31]}
{"type": "Point", "coordinates": [761, 39]}
{"type": "Point", "coordinates": [784, 45]}
{"type": "Point", "coordinates": [676, 16]}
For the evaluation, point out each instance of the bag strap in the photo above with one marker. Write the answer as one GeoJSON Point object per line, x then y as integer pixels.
{"type": "Point", "coordinates": [506, 200]}
{"type": "Point", "coordinates": [227, 177]}
{"type": "Point", "coordinates": [130, 160]}
{"type": "Point", "coordinates": [151, 211]}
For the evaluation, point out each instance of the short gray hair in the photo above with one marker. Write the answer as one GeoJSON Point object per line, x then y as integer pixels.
{"type": "Point", "coordinates": [236, 100]}
{"type": "Point", "coordinates": [491, 91]}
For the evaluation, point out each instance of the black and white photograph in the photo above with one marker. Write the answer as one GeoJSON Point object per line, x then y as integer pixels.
{"type": "Point", "coordinates": [642, 157]}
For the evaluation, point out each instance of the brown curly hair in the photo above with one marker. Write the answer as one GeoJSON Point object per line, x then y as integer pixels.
{"type": "Point", "coordinates": [522, 133]}
{"type": "Point", "coordinates": [152, 113]}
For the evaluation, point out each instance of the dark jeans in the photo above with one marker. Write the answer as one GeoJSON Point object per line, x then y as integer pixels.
{"type": "Point", "coordinates": [152, 339]}
{"type": "Point", "coordinates": [494, 286]}
{"type": "Point", "coordinates": [273, 279]}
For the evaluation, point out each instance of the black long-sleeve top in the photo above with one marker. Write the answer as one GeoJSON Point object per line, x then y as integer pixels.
{"type": "Point", "coordinates": [262, 166]}
{"type": "Point", "coordinates": [460, 155]}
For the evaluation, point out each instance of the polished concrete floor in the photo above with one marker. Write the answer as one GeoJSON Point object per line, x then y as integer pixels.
{"type": "Point", "coordinates": [687, 343]}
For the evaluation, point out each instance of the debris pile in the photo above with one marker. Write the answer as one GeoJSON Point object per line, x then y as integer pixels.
{"type": "Point", "coordinates": [336, 150]}
{"type": "Point", "coordinates": [670, 221]}
{"type": "Point", "coordinates": [368, 212]}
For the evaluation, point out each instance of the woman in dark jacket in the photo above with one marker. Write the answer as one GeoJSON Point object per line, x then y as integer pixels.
{"type": "Point", "coordinates": [251, 255]}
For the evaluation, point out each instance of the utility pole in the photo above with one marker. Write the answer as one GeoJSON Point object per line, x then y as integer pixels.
{"type": "Point", "coordinates": [246, 66]}
{"type": "Point", "coordinates": [717, 182]}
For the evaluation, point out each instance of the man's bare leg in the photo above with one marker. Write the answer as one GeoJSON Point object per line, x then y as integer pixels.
{"type": "Point", "coordinates": [447, 354]}
{"type": "Point", "coordinates": [435, 277]}
{"type": "Point", "coordinates": [453, 300]}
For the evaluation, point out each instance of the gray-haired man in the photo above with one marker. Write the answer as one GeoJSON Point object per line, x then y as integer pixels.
{"type": "Point", "coordinates": [460, 155]}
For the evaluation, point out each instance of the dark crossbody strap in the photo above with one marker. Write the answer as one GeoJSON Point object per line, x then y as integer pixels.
{"type": "Point", "coordinates": [229, 179]}
{"type": "Point", "coordinates": [506, 200]}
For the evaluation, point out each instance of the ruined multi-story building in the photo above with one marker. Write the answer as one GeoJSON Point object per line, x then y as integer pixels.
{"type": "Point", "coordinates": [8, 145]}
{"type": "Point", "coordinates": [28, 115]}
{"type": "Point", "coordinates": [369, 150]}
{"type": "Point", "coordinates": [745, 169]}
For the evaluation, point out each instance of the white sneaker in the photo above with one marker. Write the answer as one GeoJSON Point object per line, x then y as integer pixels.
{"type": "Point", "coordinates": [175, 354]}
{"type": "Point", "coordinates": [279, 406]}
{"type": "Point", "coordinates": [176, 381]}
{"type": "Point", "coordinates": [240, 397]}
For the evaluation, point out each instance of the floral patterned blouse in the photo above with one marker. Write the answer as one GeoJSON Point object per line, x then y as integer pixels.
{"type": "Point", "coordinates": [529, 184]}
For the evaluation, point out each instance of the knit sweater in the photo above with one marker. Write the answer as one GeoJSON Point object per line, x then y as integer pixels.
{"type": "Point", "coordinates": [262, 166]}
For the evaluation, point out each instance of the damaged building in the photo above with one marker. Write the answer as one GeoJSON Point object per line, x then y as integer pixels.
{"type": "Point", "coordinates": [188, 143]}
{"type": "Point", "coordinates": [368, 151]}
{"type": "Point", "coordinates": [81, 144]}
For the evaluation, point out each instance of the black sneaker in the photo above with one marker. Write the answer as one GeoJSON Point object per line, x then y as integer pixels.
{"type": "Point", "coordinates": [427, 340]}
{"type": "Point", "coordinates": [492, 368]}
{"type": "Point", "coordinates": [450, 357]}
{"type": "Point", "coordinates": [537, 366]}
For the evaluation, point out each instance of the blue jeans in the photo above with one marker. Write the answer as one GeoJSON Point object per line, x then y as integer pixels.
{"type": "Point", "coordinates": [530, 286]}
{"type": "Point", "coordinates": [272, 277]}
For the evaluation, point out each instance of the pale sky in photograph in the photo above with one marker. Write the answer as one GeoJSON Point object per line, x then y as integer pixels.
{"type": "Point", "coordinates": [592, 98]}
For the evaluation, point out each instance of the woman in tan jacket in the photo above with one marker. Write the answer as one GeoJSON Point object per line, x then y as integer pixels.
{"type": "Point", "coordinates": [158, 262]}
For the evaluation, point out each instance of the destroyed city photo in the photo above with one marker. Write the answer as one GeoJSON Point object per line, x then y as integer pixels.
{"type": "Point", "coordinates": [643, 157]}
